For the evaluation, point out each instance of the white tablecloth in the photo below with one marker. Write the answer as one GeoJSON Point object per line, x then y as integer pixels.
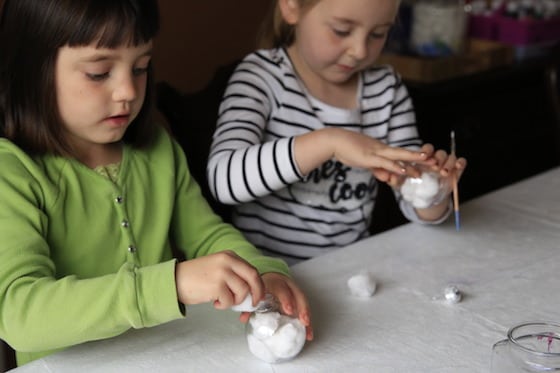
{"type": "Point", "coordinates": [505, 259]}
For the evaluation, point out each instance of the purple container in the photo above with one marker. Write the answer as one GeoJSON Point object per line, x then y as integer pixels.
{"type": "Point", "coordinates": [483, 27]}
{"type": "Point", "coordinates": [528, 31]}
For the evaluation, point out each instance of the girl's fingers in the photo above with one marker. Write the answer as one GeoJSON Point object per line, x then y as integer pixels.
{"type": "Point", "coordinates": [238, 280]}
{"type": "Point", "coordinates": [225, 298]}
{"type": "Point", "coordinates": [441, 157]}
{"type": "Point", "coordinates": [301, 309]}
{"type": "Point", "coordinates": [246, 279]}
{"type": "Point", "coordinates": [398, 167]}
{"type": "Point", "coordinates": [291, 298]}
{"type": "Point", "coordinates": [448, 165]}
{"type": "Point", "coordinates": [283, 293]}
{"type": "Point", "coordinates": [234, 291]}
{"type": "Point", "coordinates": [303, 312]}
{"type": "Point", "coordinates": [381, 174]}
{"type": "Point", "coordinates": [428, 149]}
{"type": "Point", "coordinates": [244, 317]}
{"type": "Point", "coordinates": [411, 170]}
{"type": "Point", "coordinates": [395, 181]}
{"type": "Point", "coordinates": [238, 287]}
{"type": "Point", "coordinates": [460, 166]}
{"type": "Point", "coordinates": [395, 167]}
{"type": "Point", "coordinates": [454, 165]}
{"type": "Point", "coordinates": [402, 154]}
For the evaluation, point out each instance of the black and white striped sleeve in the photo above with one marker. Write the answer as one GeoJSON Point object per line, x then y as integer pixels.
{"type": "Point", "coordinates": [241, 166]}
{"type": "Point", "coordinates": [402, 124]}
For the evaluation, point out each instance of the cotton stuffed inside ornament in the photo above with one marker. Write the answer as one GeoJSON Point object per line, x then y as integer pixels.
{"type": "Point", "coordinates": [274, 337]}
{"type": "Point", "coordinates": [426, 190]}
{"type": "Point", "coordinates": [271, 336]}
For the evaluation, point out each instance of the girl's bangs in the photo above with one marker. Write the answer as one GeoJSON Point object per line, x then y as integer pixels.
{"type": "Point", "coordinates": [124, 23]}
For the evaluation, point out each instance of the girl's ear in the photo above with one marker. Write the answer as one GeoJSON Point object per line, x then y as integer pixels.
{"type": "Point", "coordinates": [289, 10]}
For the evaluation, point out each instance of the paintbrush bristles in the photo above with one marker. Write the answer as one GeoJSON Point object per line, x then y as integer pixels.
{"type": "Point", "coordinates": [453, 142]}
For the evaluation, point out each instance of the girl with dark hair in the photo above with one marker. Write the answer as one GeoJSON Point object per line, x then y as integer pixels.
{"type": "Point", "coordinates": [94, 195]}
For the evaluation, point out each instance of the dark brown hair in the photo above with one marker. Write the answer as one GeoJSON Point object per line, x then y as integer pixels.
{"type": "Point", "coordinates": [31, 33]}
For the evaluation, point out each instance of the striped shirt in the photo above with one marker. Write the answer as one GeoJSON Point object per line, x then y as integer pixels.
{"type": "Point", "coordinates": [252, 166]}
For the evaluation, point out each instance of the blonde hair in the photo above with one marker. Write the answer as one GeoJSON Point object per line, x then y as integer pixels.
{"type": "Point", "coordinates": [274, 31]}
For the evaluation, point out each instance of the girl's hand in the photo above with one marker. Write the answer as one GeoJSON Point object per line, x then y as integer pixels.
{"type": "Point", "coordinates": [448, 165]}
{"type": "Point", "coordinates": [358, 150]}
{"type": "Point", "coordinates": [290, 297]}
{"type": "Point", "coordinates": [355, 150]}
{"type": "Point", "coordinates": [396, 180]}
{"type": "Point", "coordinates": [451, 168]}
{"type": "Point", "coordinates": [223, 278]}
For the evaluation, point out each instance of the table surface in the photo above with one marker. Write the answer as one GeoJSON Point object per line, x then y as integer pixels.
{"type": "Point", "coordinates": [505, 260]}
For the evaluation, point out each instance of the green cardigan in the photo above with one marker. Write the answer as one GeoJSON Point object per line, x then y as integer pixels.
{"type": "Point", "coordinates": [82, 258]}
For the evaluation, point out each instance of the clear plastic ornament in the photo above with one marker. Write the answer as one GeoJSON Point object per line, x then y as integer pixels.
{"type": "Point", "coordinates": [272, 336]}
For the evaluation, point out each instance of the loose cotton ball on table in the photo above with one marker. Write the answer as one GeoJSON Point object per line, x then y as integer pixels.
{"type": "Point", "coordinates": [362, 285]}
{"type": "Point", "coordinates": [274, 337]}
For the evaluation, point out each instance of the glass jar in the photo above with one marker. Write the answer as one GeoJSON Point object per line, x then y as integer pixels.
{"type": "Point", "coordinates": [439, 27]}
{"type": "Point", "coordinates": [529, 347]}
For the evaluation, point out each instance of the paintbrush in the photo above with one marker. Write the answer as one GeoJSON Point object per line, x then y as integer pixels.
{"type": "Point", "coordinates": [455, 187]}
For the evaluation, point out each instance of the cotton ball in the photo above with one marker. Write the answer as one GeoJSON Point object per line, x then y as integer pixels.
{"type": "Point", "coordinates": [429, 186]}
{"type": "Point", "coordinates": [421, 191]}
{"type": "Point", "coordinates": [420, 203]}
{"type": "Point", "coordinates": [408, 189]}
{"type": "Point", "coordinates": [287, 341]}
{"type": "Point", "coordinates": [265, 324]}
{"type": "Point", "coordinates": [245, 306]}
{"type": "Point", "coordinates": [273, 337]}
{"type": "Point", "coordinates": [362, 285]}
{"type": "Point", "coordinates": [260, 349]}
